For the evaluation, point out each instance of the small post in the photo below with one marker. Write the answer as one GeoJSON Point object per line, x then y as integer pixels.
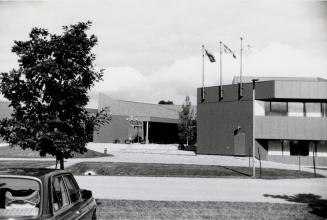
{"type": "Point", "coordinates": [259, 160]}
{"type": "Point", "coordinates": [221, 73]}
{"type": "Point", "coordinates": [313, 157]}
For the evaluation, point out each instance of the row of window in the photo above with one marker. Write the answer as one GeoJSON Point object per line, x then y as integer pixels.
{"type": "Point", "coordinates": [296, 147]}
{"type": "Point", "coordinates": [299, 109]}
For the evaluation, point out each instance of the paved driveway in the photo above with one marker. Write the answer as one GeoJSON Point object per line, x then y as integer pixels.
{"type": "Point", "coordinates": [199, 189]}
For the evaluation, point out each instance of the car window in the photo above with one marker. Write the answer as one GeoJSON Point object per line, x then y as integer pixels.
{"type": "Point", "coordinates": [59, 194]}
{"type": "Point", "coordinates": [19, 197]}
{"type": "Point", "coordinates": [72, 189]}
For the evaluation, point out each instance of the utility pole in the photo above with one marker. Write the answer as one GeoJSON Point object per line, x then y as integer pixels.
{"type": "Point", "coordinates": [253, 127]}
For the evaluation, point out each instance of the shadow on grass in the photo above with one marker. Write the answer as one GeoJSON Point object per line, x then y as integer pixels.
{"type": "Point", "coordinates": [318, 206]}
{"type": "Point", "coordinates": [236, 171]}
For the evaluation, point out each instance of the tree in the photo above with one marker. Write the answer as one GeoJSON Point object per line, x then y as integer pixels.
{"type": "Point", "coordinates": [163, 102]}
{"type": "Point", "coordinates": [187, 125]}
{"type": "Point", "coordinates": [48, 92]}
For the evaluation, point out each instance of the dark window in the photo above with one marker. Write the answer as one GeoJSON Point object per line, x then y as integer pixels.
{"type": "Point", "coordinates": [299, 148]}
{"type": "Point", "coordinates": [73, 191]}
{"type": "Point", "coordinates": [267, 108]}
{"type": "Point", "coordinates": [278, 108]}
{"type": "Point", "coordinates": [59, 194]}
{"type": "Point", "coordinates": [324, 109]}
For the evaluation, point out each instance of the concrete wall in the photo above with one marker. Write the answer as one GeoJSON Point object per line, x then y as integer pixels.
{"type": "Point", "coordinates": [294, 128]}
{"type": "Point", "coordinates": [117, 129]}
{"type": "Point", "coordinates": [218, 120]}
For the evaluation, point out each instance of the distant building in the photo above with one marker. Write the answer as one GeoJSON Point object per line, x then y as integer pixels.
{"type": "Point", "coordinates": [131, 121]}
{"type": "Point", "coordinates": [138, 122]}
{"type": "Point", "coordinates": [290, 119]}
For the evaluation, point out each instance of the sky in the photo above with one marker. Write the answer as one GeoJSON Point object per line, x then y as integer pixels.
{"type": "Point", "coordinates": [151, 49]}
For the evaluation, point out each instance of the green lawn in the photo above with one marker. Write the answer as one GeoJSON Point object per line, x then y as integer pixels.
{"type": "Point", "coordinates": [26, 163]}
{"type": "Point", "coordinates": [180, 170]}
{"type": "Point", "coordinates": [17, 152]}
{"type": "Point", "coordinates": [129, 209]}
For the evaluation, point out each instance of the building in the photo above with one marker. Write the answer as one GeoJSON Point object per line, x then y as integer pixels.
{"type": "Point", "coordinates": [138, 122]}
{"type": "Point", "coordinates": [131, 121]}
{"type": "Point", "coordinates": [289, 114]}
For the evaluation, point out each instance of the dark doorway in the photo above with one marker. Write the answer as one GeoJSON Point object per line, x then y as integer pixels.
{"type": "Point", "coordinates": [299, 148]}
{"type": "Point", "coordinates": [163, 133]}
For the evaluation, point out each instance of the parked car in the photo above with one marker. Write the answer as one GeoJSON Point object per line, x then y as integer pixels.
{"type": "Point", "coordinates": [34, 193]}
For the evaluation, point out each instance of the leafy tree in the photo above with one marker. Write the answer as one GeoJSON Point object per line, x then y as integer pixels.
{"type": "Point", "coordinates": [168, 102]}
{"type": "Point", "coordinates": [187, 126]}
{"type": "Point", "coordinates": [48, 92]}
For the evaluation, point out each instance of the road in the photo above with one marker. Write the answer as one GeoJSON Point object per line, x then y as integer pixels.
{"type": "Point", "coordinates": [199, 189]}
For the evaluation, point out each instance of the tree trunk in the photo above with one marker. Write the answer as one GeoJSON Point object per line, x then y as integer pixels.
{"type": "Point", "coordinates": [60, 158]}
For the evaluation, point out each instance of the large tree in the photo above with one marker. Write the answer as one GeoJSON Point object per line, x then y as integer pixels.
{"type": "Point", "coordinates": [48, 92]}
{"type": "Point", "coordinates": [187, 125]}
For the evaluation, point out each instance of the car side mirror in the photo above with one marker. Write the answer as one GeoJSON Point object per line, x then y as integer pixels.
{"type": "Point", "coordinates": [86, 194]}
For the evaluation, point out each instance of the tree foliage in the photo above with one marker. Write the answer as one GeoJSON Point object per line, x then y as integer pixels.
{"type": "Point", "coordinates": [187, 126]}
{"type": "Point", "coordinates": [48, 92]}
{"type": "Point", "coordinates": [163, 102]}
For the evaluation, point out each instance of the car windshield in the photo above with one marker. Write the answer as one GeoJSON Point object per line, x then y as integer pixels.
{"type": "Point", "coordinates": [19, 197]}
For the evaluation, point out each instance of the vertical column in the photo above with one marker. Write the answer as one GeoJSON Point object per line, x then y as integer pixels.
{"type": "Point", "coordinates": [147, 132]}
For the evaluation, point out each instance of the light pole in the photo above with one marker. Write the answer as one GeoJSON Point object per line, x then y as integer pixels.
{"type": "Point", "coordinates": [135, 124]}
{"type": "Point", "coordinates": [253, 127]}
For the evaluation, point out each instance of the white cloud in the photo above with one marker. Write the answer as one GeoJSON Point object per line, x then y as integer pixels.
{"type": "Point", "coordinates": [184, 76]}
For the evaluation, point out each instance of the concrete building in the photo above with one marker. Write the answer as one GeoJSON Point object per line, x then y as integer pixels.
{"type": "Point", "coordinates": [131, 121]}
{"type": "Point", "coordinates": [138, 122]}
{"type": "Point", "coordinates": [289, 114]}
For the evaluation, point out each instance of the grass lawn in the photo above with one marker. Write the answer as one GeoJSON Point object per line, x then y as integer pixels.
{"type": "Point", "coordinates": [26, 164]}
{"type": "Point", "coordinates": [180, 170]}
{"type": "Point", "coordinates": [129, 209]}
{"type": "Point", "coordinates": [17, 152]}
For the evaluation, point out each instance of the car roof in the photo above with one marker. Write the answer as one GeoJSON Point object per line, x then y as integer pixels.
{"type": "Point", "coordinates": [33, 172]}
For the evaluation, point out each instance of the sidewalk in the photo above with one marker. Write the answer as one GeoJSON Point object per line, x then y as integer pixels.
{"type": "Point", "coordinates": [199, 189]}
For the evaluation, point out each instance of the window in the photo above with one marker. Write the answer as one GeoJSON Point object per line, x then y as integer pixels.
{"type": "Point", "coordinates": [259, 107]}
{"type": "Point", "coordinates": [59, 194]}
{"type": "Point", "coordinates": [313, 109]}
{"type": "Point", "coordinates": [73, 191]}
{"type": "Point", "coordinates": [19, 197]}
{"type": "Point", "coordinates": [296, 109]}
{"type": "Point", "coordinates": [300, 148]}
{"type": "Point", "coordinates": [267, 108]}
{"type": "Point", "coordinates": [324, 109]}
{"type": "Point", "coordinates": [278, 108]}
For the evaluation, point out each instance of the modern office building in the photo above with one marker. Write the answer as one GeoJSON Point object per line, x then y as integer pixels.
{"type": "Point", "coordinates": [289, 114]}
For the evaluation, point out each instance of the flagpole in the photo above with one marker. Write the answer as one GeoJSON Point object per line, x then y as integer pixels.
{"type": "Point", "coordinates": [241, 52]}
{"type": "Point", "coordinates": [221, 73]}
{"type": "Point", "coordinates": [202, 72]}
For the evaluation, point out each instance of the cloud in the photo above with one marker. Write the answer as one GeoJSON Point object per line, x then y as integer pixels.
{"type": "Point", "coordinates": [184, 76]}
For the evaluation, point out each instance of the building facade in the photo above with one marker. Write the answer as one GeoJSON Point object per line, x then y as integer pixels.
{"type": "Point", "coordinates": [131, 121]}
{"type": "Point", "coordinates": [138, 122]}
{"type": "Point", "coordinates": [289, 114]}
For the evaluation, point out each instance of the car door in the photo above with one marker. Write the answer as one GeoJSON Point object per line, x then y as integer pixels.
{"type": "Point", "coordinates": [61, 205]}
{"type": "Point", "coordinates": [79, 207]}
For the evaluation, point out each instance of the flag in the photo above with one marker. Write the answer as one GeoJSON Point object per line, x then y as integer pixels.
{"type": "Point", "coordinates": [228, 50]}
{"type": "Point", "coordinates": [211, 57]}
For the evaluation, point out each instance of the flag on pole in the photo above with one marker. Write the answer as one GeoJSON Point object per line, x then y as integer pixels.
{"type": "Point", "coordinates": [228, 50]}
{"type": "Point", "coordinates": [210, 56]}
